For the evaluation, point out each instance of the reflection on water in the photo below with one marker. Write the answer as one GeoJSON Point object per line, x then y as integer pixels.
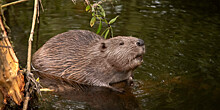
{"type": "Point", "coordinates": [181, 67]}
{"type": "Point", "coordinates": [85, 97]}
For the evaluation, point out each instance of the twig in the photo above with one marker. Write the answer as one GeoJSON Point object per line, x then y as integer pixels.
{"type": "Point", "coordinates": [41, 5]}
{"type": "Point", "coordinates": [87, 2]}
{"type": "Point", "coordinates": [13, 3]}
{"type": "Point", "coordinates": [3, 28]}
{"type": "Point", "coordinates": [27, 97]}
{"type": "Point", "coordinates": [11, 51]}
{"type": "Point", "coordinates": [31, 36]}
{"type": "Point", "coordinates": [95, 4]}
{"type": "Point", "coordinates": [100, 2]}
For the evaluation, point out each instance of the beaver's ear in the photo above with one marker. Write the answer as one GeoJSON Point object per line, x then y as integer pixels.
{"type": "Point", "coordinates": [103, 47]}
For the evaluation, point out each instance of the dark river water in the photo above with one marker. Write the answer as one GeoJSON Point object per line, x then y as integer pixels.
{"type": "Point", "coordinates": [181, 69]}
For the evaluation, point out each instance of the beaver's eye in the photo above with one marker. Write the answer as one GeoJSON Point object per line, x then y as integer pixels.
{"type": "Point", "coordinates": [122, 43]}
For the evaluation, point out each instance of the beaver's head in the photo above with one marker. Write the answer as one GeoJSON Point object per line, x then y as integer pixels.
{"type": "Point", "coordinates": [123, 53]}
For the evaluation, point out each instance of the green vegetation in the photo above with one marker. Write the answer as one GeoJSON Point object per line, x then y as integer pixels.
{"type": "Point", "coordinates": [98, 12]}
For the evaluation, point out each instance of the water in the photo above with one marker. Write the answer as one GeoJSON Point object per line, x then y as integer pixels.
{"type": "Point", "coordinates": [181, 67]}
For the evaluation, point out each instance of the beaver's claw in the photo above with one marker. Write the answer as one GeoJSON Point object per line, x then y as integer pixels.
{"type": "Point", "coordinates": [116, 89]}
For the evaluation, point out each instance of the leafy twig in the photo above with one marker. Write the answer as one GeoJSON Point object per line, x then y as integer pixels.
{"type": "Point", "coordinates": [98, 12]}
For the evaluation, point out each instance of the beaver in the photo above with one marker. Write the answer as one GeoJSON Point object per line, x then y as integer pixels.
{"type": "Point", "coordinates": [86, 58]}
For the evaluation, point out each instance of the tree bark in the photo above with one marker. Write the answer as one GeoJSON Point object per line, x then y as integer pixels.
{"type": "Point", "coordinates": [11, 79]}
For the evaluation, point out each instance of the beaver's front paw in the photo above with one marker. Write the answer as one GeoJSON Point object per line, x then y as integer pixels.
{"type": "Point", "coordinates": [130, 81]}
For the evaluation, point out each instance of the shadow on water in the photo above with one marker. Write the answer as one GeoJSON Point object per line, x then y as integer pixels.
{"type": "Point", "coordinates": [181, 67]}
{"type": "Point", "coordinates": [75, 96]}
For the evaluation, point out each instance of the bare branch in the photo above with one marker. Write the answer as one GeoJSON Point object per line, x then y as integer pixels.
{"type": "Point", "coordinates": [27, 97]}
{"type": "Point", "coordinates": [13, 3]}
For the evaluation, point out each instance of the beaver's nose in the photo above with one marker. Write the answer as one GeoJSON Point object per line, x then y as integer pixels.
{"type": "Point", "coordinates": [140, 42]}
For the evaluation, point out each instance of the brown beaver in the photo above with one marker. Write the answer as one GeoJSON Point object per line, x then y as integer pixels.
{"type": "Point", "coordinates": [86, 58]}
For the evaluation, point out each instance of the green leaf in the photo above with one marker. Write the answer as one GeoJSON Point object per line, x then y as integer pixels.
{"type": "Point", "coordinates": [92, 21]}
{"type": "Point", "coordinates": [88, 7]}
{"type": "Point", "coordinates": [105, 21]}
{"type": "Point", "coordinates": [100, 26]}
{"type": "Point", "coordinates": [113, 20]}
{"type": "Point", "coordinates": [102, 11]}
{"type": "Point", "coordinates": [106, 34]}
{"type": "Point", "coordinates": [93, 14]}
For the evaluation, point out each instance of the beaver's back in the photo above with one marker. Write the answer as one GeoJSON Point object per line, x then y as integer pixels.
{"type": "Point", "coordinates": [63, 50]}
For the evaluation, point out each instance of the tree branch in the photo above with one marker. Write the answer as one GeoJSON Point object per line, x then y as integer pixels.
{"type": "Point", "coordinates": [13, 3]}
{"type": "Point", "coordinates": [27, 97]}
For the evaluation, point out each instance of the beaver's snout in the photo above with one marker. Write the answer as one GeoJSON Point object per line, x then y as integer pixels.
{"type": "Point", "coordinates": [140, 42]}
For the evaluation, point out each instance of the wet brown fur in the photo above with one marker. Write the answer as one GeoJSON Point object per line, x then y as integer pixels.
{"type": "Point", "coordinates": [86, 58]}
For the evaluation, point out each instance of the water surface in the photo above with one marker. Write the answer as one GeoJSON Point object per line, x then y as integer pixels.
{"type": "Point", "coordinates": [181, 67]}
